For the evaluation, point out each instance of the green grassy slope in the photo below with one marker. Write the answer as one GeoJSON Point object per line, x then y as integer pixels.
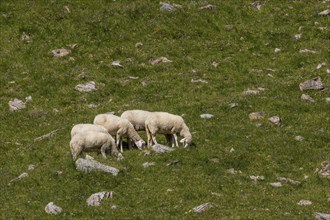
{"type": "Point", "coordinates": [236, 36]}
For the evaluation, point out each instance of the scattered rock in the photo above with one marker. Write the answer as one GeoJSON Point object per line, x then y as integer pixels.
{"type": "Point", "coordinates": [89, 165]}
{"type": "Point", "coordinates": [297, 36]}
{"type": "Point", "coordinates": [324, 170]}
{"type": "Point", "coordinates": [255, 178]}
{"type": "Point", "coordinates": [304, 202]}
{"type": "Point", "coordinates": [48, 135]}
{"type": "Point", "coordinates": [167, 7]}
{"type": "Point", "coordinates": [254, 91]}
{"type": "Point", "coordinates": [256, 115]}
{"type": "Point", "coordinates": [93, 105]}
{"type": "Point", "coordinates": [25, 37]}
{"type": "Point", "coordinates": [16, 104]}
{"type": "Point", "coordinates": [231, 171]}
{"type": "Point", "coordinates": [276, 184]}
{"type": "Point", "coordinates": [306, 98]}
{"type": "Point", "coordinates": [173, 162]}
{"type": "Point", "coordinates": [320, 65]}
{"type": "Point", "coordinates": [256, 5]}
{"type": "Point", "coordinates": [277, 50]}
{"type": "Point", "coordinates": [96, 198]}
{"type": "Point", "coordinates": [275, 120]}
{"type": "Point", "coordinates": [116, 64]}
{"type": "Point", "coordinates": [233, 105]}
{"type": "Point", "coordinates": [322, 216]}
{"type": "Point", "coordinates": [31, 167]}
{"type": "Point", "coordinates": [299, 138]}
{"type": "Point", "coordinates": [215, 64]}
{"type": "Point", "coordinates": [61, 52]}
{"type": "Point", "coordinates": [206, 116]}
{"type": "Point", "coordinates": [53, 209]}
{"type": "Point", "coordinates": [325, 12]}
{"type": "Point", "coordinates": [87, 87]}
{"type": "Point", "coordinates": [133, 77]}
{"type": "Point", "coordinates": [203, 207]}
{"type": "Point", "coordinates": [308, 51]}
{"type": "Point", "coordinates": [23, 175]}
{"type": "Point", "coordinates": [314, 83]}
{"type": "Point", "coordinates": [148, 164]}
{"type": "Point", "coordinates": [67, 9]}
{"type": "Point", "coordinates": [159, 148]}
{"type": "Point", "coordinates": [288, 180]}
{"type": "Point", "coordinates": [139, 44]}
{"type": "Point", "coordinates": [208, 7]}
{"type": "Point", "coordinates": [199, 81]}
{"type": "Point", "coordinates": [160, 60]}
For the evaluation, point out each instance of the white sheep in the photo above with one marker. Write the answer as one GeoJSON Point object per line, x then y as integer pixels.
{"type": "Point", "coordinates": [93, 141]}
{"type": "Point", "coordinates": [166, 123]}
{"type": "Point", "coordinates": [119, 127]}
{"type": "Point", "coordinates": [79, 128]}
{"type": "Point", "coordinates": [138, 119]}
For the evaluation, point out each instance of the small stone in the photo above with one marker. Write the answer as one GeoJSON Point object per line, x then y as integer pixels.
{"type": "Point", "coordinates": [277, 50]}
{"type": "Point", "coordinates": [206, 116]}
{"type": "Point", "coordinates": [304, 202]}
{"type": "Point", "coordinates": [202, 208]}
{"type": "Point", "coordinates": [299, 138]}
{"type": "Point", "coordinates": [25, 37]}
{"type": "Point", "coordinates": [96, 198]}
{"type": "Point", "coordinates": [256, 5]}
{"type": "Point", "coordinates": [209, 7]}
{"type": "Point", "coordinates": [31, 167]}
{"type": "Point", "coordinates": [256, 115]}
{"type": "Point", "coordinates": [275, 120]}
{"type": "Point", "coordinates": [231, 150]}
{"type": "Point", "coordinates": [61, 52]}
{"type": "Point", "coordinates": [160, 60]}
{"type": "Point", "coordinates": [199, 81]}
{"type": "Point", "coordinates": [167, 7]}
{"type": "Point", "coordinates": [307, 51]}
{"type": "Point", "coordinates": [53, 209]}
{"type": "Point", "coordinates": [327, 100]}
{"type": "Point", "coordinates": [325, 12]}
{"type": "Point", "coordinates": [254, 91]}
{"type": "Point", "coordinates": [87, 87]}
{"type": "Point", "coordinates": [276, 184]}
{"type": "Point", "coordinates": [215, 64]}
{"type": "Point", "coordinates": [320, 65]}
{"type": "Point", "coordinates": [116, 63]}
{"type": "Point", "coordinates": [233, 105]}
{"type": "Point", "coordinates": [231, 171]}
{"type": "Point", "coordinates": [322, 216]}
{"type": "Point", "coordinates": [288, 180]}
{"type": "Point", "coordinates": [138, 44]}
{"type": "Point", "coordinates": [297, 36]}
{"type": "Point", "coordinates": [314, 83]}
{"type": "Point", "coordinates": [148, 164]}
{"type": "Point", "coordinates": [324, 170]}
{"type": "Point", "coordinates": [16, 104]}
{"type": "Point", "coordinates": [255, 178]}
{"type": "Point", "coordinates": [306, 98]}
{"type": "Point", "coordinates": [92, 105]}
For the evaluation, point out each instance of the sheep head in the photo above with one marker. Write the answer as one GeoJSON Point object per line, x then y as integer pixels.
{"type": "Point", "coordinates": [185, 142]}
{"type": "Point", "coordinates": [140, 144]}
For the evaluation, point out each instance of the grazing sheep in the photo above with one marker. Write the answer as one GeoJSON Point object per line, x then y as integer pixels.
{"type": "Point", "coordinates": [79, 128]}
{"type": "Point", "coordinates": [166, 123]}
{"type": "Point", "coordinates": [119, 127]}
{"type": "Point", "coordinates": [93, 141]}
{"type": "Point", "coordinates": [138, 119]}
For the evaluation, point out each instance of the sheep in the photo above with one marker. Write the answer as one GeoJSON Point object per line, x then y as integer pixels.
{"type": "Point", "coordinates": [93, 140]}
{"type": "Point", "coordinates": [79, 128]}
{"type": "Point", "coordinates": [119, 127]}
{"type": "Point", "coordinates": [166, 123]}
{"type": "Point", "coordinates": [138, 119]}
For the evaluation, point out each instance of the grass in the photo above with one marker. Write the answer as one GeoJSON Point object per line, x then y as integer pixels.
{"type": "Point", "coordinates": [238, 37]}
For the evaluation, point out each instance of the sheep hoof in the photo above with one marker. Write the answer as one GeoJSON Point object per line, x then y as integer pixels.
{"type": "Point", "coordinates": [120, 156]}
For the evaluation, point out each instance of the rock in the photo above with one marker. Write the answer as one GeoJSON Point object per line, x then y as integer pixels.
{"type": "Point", "coordinates": [276, 184]}
{"type": "Point", "coordinates": [116, 64]}
{"type": "Point", "coordinates": [90, 165]}
{"type": "Point", "coordinates": [206, 116]}
{"type": "Point", "coordinates": [87, 87]}
{"type": "Point", "coordinates": [25, 37]}
{"type": "Point", "coordinates": [322, 216]}
{"type": "Point", "coordinates": [208, 7]}
{"type": "Point", "coordinates": [148, 164]}
{"type": "Point", "coordinates": [324, 170]}
{"type": "Point", "coordinates": [256, 115]}
{"type": "Point", "coordinates": [231, 171]}
{"type": "Point", "coordinates": [288, 180]}
{"type": "Point", "coordinates": [138, 44]}
{"type": "Point", "coordinates": [325, 12]}
{"type": "Point", "coordinates": [297, 36]}
{"type": "Point", "coordinates": [53, 209]}
{"type": "Point", "coordinates": [254, 91]}
{"type": "Point", "coordinates": [203, 207]}
{"type": "Point", "coordinates": [159, 148]}
{"type": "Point", "coordinates": [199, 81]}
{"type": "Point", "coordinates": [314, 83]}
{"type": "Point", "coordinates": [255, 178]}
{"type": "Point", "coordinates": [233, 105]}
{"type": "Point", "coordinates": [61, 52]}
{"type": "Point", "coordinates": [256, 5]}
{"type": "Point", "coordinates": [16, 104]}
{"type": "Point", "coordinates": [96, 198]}
{"type": "Point", "coordinates": [304, 202]}
{"type": "Point", "coordinates": [167, 7]}
{"type": "Point", "coordinates": [173, 162]}
{"type": "Point", "coordinates": [306, 98]}
{"type": "Point", "coordinates": [275, 120]}
{"type": "Point", "coordinates": [21, 176]}
{"type": "Point", "coordinates": [215, 64]}
{"type": "Point", "coordinates": [160, 60]}
{"type": "Point", "coordinates": [31, 167]}
{"type": "Point", "coordinates": [320, 65]}
{"type": "Point", "coordinates": [307, 51]}
{"type": "Point", "coordinates": [277, 50]}
{"type": "Point", "coordinates": [299, 138]}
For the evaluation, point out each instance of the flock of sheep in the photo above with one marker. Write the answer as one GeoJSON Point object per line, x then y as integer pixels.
{"type": "Point", "coordinates": [98, 136]}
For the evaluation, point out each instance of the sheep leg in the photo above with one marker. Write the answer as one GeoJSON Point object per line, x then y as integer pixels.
{"type": "Point", "coordinates": [103, 149]}
{"type": "Point", "coordinates": [149, 138]}
{"type": "Point", "coordinates": [176, 140]}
